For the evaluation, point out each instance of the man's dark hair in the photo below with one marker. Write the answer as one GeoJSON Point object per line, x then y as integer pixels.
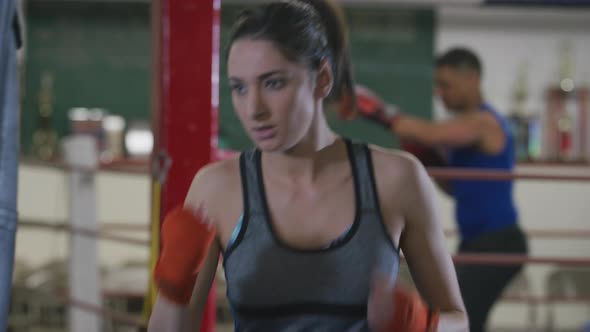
{"type": "Point", "coordinates": [459, 58]}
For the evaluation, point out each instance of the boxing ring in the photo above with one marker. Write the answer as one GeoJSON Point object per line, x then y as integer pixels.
{"type": "Point", "coordinates": [185, 103]}
{"type": "Point", "coordinates": [127, 234]}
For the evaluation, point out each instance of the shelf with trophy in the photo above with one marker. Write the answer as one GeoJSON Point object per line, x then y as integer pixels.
{"type": "Point", "coordinates": [123, 146]}
{"type": "Point", "coordinates": [558, 134]}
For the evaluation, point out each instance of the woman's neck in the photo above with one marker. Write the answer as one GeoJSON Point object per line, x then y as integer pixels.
{"type": "Point", "coordinates": [304, 162]}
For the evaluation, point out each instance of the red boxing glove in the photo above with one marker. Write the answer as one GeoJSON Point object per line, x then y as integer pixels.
{"type": "Point", "coordinates": [428, 156]}
{"type": "Point", "coordinates": [186, 239]}
{"type": "Point", "coordinates": [373, 108]}
{"type": "Point", "coordinates": [411, 314]}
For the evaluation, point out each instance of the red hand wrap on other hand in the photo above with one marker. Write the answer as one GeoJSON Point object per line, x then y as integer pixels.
{"type": "Point", "coordinates": [411, 314]}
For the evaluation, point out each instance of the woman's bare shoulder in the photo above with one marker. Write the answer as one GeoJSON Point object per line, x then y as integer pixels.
{"type": "Point", "coordinates": [213, 182]}
{"type": "Point", "coordinates": [393, 163]}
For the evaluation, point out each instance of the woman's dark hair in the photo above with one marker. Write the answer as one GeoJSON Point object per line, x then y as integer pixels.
{"type": "Point", "coordinates": [303, 30]}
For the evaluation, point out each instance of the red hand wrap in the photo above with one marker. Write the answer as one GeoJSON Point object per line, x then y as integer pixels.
{"type": "Point", "coordinates": [411, 314]}
{"type": "Point", "coordinates": [185, 242]}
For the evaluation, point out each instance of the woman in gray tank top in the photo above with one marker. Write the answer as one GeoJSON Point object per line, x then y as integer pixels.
{"type": "Point", "coordinates": [309, 223]}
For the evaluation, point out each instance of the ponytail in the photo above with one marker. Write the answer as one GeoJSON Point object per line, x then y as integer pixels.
{"type": "Point", "coordinates": [334, 22]}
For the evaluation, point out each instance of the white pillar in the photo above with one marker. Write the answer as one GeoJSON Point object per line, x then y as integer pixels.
{"type": "Point", "coordinates": [81, 154]}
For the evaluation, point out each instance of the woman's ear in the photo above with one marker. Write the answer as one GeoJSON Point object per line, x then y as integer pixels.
{"type": "Point", "coordinates": [324, 80]}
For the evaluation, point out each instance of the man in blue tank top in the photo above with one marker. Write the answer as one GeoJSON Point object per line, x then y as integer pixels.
{"type": "Point", "coordinates": [477, 137]}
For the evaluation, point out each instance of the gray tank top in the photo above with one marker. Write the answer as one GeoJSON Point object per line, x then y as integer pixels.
{"type": "Point", "coordinates": [274, 287]}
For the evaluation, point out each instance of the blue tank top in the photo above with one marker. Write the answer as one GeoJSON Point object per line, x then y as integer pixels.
{"type": "Point", "coordinates": [484, 206]}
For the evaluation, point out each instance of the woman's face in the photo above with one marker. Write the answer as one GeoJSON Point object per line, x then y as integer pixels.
{"type": "Point", "coordinates": [274, 97]}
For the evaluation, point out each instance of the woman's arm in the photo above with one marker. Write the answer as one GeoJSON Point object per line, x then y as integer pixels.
{"type": "Point", "coordinates": [168, 316]}
{"type": "Point", "coordinates": [423, 245]}
{"type": "Point", "coordinates": [184, 242]}
{"type": "Point", "coordinates": [203, 286]}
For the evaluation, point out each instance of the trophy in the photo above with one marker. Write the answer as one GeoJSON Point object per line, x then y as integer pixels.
{"type": "Point", "coordinates": [519, 117]}
{"type": "Point", "coordinates": [567, 114]}
{"type": "Point", "coordinates": [44, 143]}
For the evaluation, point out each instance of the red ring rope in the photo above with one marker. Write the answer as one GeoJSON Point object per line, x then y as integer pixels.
{"type": "Point", "coordinates": [85, 232]}
{"type": "Point", "coordinates": [511, 259]}
{"type": "Point", "coordinates": [436, 172]}
{"type": "Point", "coordinates": [495, 175]}
{"type": "Point", "coordinates": [109, 227]}
{"type": "Point", "coordinates": [544, 233]}
{"type": "Point", "coordinates": [89, 307]}
{"type": "Point", "coordinates": [497, 259]}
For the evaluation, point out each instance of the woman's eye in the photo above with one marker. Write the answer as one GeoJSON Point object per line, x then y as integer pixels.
{"type": "Point", "coordinates": [275, 83]}
{"type": "Point", "coordinates": [239, 89]}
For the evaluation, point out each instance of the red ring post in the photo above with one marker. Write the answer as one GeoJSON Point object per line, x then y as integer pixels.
{"type": "Point", "coordinates": [186, 39]}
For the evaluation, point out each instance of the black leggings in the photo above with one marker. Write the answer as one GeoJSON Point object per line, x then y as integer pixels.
{"type": "Point", "coordinates": [482, 285]}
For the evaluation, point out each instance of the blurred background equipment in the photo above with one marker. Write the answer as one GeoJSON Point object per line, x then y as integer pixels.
{"type": "Point", "coordinates": [139, 141]}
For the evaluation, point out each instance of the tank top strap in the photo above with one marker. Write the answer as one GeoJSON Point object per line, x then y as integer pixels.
{"type": "Point", "coordinates": [251, 186]}
{"type": "Point", "coordinates": [362, 170]}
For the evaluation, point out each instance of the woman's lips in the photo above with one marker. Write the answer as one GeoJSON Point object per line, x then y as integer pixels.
{"type": "Point", "coordinates": [264, 132]}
